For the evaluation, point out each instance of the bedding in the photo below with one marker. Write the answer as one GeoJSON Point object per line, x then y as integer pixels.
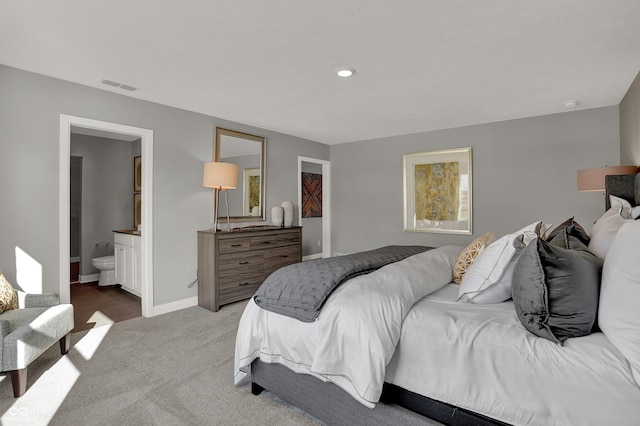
{"type": "Point", "coordinates": [480, 358]}
{"type": "Point", "coordinates": [368, 308]}
{"type": "Point", "coordinates": [300, 290]}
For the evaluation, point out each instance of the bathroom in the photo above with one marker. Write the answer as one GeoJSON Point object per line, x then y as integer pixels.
{"type": "Point", "coordinates": [102, 199]}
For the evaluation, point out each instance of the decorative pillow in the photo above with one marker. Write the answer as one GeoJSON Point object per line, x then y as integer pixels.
{"type": "Point", "coordinates": [579, 231]}
{"type": "Point", "coordinates": [470, 254]}
{"type": "Point", "coordinates": [605, 230]}
{"type": "Point", "coordinates": [618, 317]}
{"type": "Point", "coordinates": [488, 279]}
{"type": "Point", "coordinates": [556, 290]}
{"type": "Point", "coordinates": [8, 296]}
{"type": "Point", "coordinates": [628, 211]}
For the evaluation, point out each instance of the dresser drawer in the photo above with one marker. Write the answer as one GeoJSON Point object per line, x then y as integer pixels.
{"type": "Point", "coordinates": [239, 286]}
{"type": "Point", "coordinates": [234, 245]}
{"type": "Point", "coordinates": [263, 242]}
{"type": "Point", "coordinates": [241, 280]}
{"type": "Point", "coordinates": [289, 238]}
{"type": "Point", "coordinates": [240, 263]}
{"type": "Point", "coordinates": [279, 257]}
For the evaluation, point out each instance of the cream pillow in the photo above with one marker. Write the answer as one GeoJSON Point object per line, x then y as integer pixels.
{"type": "Point", "coordinates": [619, 294]}
{"type": "Point", "coordinates": [605, 230]}
{"type": "Point", "coordinates": [488, 279]}
{"type": "Point", "coordinates": [8, 296]}
{"type": "Point", "coordinates": [628, 211]}
{"type": "Point", "coordinates": [470, 254]}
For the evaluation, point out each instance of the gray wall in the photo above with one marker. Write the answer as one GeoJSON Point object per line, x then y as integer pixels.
{"type": "Point", "coordinates": [311, 226]}
{"type": "Point", "coordinates": [30, 109]}
{"type": "Point", "coordinates": [523, 170]}
{"type": "Point", "coordinates": [630, 125]}
{"type": "Point", "coordinates": [107, 193]}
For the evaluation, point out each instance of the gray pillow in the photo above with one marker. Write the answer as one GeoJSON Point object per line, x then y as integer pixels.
{"type": "Point", "coordinates": [574, 228]}
{"type": "Point", "coordinates": [556, 289]}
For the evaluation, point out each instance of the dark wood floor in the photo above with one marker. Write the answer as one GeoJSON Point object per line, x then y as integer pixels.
{"type": "Point", "coordinates": [94, 306]}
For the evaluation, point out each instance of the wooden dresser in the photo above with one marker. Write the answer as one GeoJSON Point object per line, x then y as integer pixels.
{"type": "Point", "coordinates": [232, 265]}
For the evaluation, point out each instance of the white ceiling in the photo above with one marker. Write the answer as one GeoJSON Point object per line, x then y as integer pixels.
{"type": "Point", "coordinates": [421, 64]}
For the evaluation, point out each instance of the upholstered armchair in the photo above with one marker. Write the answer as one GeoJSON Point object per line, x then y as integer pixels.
{"type": "Point", "coordinates": [39, 322]}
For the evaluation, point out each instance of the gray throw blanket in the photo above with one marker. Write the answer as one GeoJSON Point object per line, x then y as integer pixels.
{"type": "Point", "coordinates": [300, 290]}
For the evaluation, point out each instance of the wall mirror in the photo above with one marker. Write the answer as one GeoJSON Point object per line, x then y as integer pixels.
{"type": "Point", "coordinates": [248, 152]}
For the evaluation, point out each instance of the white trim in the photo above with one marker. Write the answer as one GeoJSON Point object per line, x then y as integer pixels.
{"type": "Point", "coordinates": [88, 278]}
{"type": "Point", "coordinates": [146, 136]}
{"type": "Point", "coordinates": [312, 257]}
{"type": "Point", "coordinates": [326, 200]}
{"type": "Point", "coordinates": [175, 306]}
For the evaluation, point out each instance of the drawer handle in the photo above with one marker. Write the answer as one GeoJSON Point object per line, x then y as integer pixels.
{"type": "Point", "coordinates": [243, 263]}
{"type": "Point", "coordinates": [265, 242]}
{"type": "Point", "coordinates": [236, 245]}
{"type": "Point", "coordinates": [243, 284]}
{"type": "Point", "coordinates": [284, 256]}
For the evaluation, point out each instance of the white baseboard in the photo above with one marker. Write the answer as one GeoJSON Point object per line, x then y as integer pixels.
{"type": "Point", "coordinates": [88, 278]}
{"type": "Point", "coordinates": [175, 306]}
{"type": "Point", "coordinates": [312, 256]}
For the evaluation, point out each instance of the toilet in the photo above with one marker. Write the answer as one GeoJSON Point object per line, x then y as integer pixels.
{"type": "Point", "coordinates": [107, 267]}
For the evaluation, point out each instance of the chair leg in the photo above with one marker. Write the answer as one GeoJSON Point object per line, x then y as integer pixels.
{"type": "Point", "coordinates": [19, 381]}
{"type": "Point", "coordinates": [64, 344]}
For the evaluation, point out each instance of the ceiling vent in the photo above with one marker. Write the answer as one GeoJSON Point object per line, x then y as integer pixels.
{"type": "Point", "coordinates": [119, 85]}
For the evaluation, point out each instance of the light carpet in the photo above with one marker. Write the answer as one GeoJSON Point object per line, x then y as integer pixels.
{"type": "Point", "coordinates": [173, 369]}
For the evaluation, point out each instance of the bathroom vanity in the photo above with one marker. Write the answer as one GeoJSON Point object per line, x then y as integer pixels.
{"type": "Point", "coordinates": [127, 250]}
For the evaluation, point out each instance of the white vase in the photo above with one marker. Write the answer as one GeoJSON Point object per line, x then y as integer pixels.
{"type": "Point", "coordinates": [288, 213]}
{"type": "Point", "coordinates": [277, 215]}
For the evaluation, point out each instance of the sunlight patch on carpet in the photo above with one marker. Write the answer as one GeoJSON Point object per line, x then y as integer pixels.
{"type": "Point", "coordinates": [38, 405]}
{"type": "Point", "coordinates": [89, 344]}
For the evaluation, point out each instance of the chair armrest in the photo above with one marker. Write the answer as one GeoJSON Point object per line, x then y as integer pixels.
{"type": "Point", "coordinates": [4, 330]}
{"type": "Point", "coordinates": [32, 300]}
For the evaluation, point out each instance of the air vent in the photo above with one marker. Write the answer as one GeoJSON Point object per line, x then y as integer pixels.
{"type": "Point", "coordinates": [119, 85]}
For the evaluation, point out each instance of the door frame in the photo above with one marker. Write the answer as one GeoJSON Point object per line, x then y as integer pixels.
{"type": "Point", "coordinates": [146, 136]}
{"type": "Point", "coordinates": [326, 200]}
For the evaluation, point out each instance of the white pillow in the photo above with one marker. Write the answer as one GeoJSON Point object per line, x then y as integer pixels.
{"type": "Point", "coordinates": [488, 279]}
{"type": "Point", "coordinates": [618, 314]}
{"type": "Point", "coordinates": [605, 229]}
{"type": "Point", "coordinates": [628, 211]}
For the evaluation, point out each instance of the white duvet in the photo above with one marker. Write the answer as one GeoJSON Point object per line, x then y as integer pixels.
{"type": "Point", "coordinates": [367, 309]}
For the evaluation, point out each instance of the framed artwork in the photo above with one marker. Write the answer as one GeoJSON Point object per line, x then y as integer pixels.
{"type": "Point", "coordinates": [137, 210]}
{"type": "Point", "coordinates": [311, 195]}
{"type": "Point", "coordinates": [137, 174]}
{"type": "Point", "coordinates": [251, 192]}
{"type": "Point", "coordinates": [437, 191]}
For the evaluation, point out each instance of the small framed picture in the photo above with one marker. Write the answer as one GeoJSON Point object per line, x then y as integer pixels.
{"type": "Point", "coordinates": [137, 210]}
{"type": "Point", "coordinates": [437, 191]}
{"type": "Point", "coordinates": [137, 174]}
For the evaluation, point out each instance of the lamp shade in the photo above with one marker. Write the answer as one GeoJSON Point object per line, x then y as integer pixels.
{"type": "Point", "coordinates": [593, 179]}
{"type": "Point", "coordinates": [220, 175]}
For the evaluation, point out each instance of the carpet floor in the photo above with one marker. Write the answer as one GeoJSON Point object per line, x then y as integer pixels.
{"type": "Point", "coordinates": [173, 369]}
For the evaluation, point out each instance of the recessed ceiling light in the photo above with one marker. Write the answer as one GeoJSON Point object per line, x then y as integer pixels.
{"type": "Point", "coordinates": [345, 72]}
{"type": "Point", "coordinates": [571, 104]}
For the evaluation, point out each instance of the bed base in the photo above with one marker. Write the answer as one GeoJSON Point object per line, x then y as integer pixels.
{"type": "Point", "coordinates": [332, 405]}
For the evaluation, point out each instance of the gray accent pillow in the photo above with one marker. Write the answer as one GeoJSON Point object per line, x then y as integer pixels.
{"type": "Point", "coordinates": [556, 289]}
{"type": "Point", "coordinates": [575, 230]}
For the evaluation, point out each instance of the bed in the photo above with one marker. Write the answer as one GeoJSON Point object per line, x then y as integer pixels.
{"type": "Point", "coordinates": [457, 362]}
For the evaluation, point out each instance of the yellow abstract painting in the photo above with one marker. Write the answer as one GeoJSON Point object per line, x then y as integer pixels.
{"type": "Point", "coordinates": [437, 191]}
{"type": "Point", "coordinates": [254, 191]}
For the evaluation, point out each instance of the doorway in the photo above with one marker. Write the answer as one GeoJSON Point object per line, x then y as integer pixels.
{"type": "Point", "coordinates": [146, 136]}
{"type": "Point", "coordinates": [314, 166]}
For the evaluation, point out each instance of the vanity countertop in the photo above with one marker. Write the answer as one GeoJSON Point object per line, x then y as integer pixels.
{"type": "Point", "coordinates": [127, 231]}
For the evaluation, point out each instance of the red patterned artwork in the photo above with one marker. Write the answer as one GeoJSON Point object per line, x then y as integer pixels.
{"type": "Point", "coordinates": [311, 195]}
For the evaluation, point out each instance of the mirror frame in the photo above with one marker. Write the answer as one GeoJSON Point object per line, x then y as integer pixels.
{"type": "Point", "coordinates": [219, 132]}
